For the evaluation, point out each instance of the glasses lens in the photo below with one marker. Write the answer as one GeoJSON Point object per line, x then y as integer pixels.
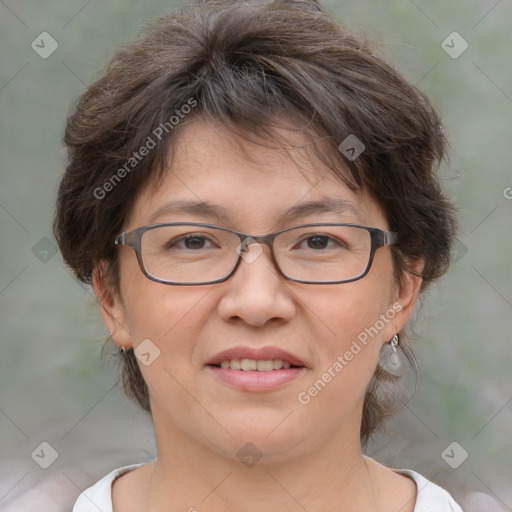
{"type": "Point", "coordinates": [323, 253]}
{"type": "Point", "coordinates": [189, 254]}
{"type": "Point", "coordinates": [197, 254]}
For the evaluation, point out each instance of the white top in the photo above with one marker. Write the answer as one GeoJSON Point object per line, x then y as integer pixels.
{"type": "Point", "coordinates": [430, 497]}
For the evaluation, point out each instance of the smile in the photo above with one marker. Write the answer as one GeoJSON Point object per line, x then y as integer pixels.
{"type": "Point", "coordinates": [255, 369]}
{"type": "Point", "coordinates": [246, 365]}
{"type": "Point", "coordinates": [246, 375]}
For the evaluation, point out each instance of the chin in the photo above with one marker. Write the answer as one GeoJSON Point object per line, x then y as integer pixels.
{"type": "Point", "coordinates": [271, 437]}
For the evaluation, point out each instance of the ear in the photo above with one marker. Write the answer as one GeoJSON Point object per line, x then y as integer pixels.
{"type": "Point", "coordinates": [111, 308]}
{"type": "Point", "coordinates": [404, 299]}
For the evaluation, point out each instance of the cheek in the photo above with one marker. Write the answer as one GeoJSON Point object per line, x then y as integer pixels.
{"type": "Point", "coordinates": [171, 317]}
{"type": "Point", "coordinates": [347, 324]}
{"type": "Point", "coordinates": [172, 320]}
{"type": "Point", "coordinates": [346, 314]}
{"type": "Point", "coordinates": [154, 310]}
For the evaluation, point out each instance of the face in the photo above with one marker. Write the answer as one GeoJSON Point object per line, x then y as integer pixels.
{"type": "Point", "coordinates": [257, 311]}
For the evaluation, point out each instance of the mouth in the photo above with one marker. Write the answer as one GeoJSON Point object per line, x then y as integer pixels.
{"type": "Point", "coordinates": [262, 365]}
{"type": "Point", "coordinates": [249, 369]}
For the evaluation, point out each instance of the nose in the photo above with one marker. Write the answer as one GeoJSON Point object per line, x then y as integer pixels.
{"type": "Point", "coordinates": [257, 293]}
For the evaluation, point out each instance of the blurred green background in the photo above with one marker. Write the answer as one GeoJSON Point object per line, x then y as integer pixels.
{"type": "Point", "coordinates": [56, 387]}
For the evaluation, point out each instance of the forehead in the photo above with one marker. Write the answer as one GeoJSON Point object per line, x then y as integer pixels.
{"type": "Point", "coordinates": [245, 178]}
{"type": "Point", "coordinates": [286, 152]}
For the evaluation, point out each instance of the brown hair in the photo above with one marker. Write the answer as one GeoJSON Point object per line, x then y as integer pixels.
{"type": "Point", "coordinates": [242, 63]}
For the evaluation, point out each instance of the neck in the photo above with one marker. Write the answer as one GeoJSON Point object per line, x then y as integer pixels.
{"type": "Point", "coordinates": [191, 476]}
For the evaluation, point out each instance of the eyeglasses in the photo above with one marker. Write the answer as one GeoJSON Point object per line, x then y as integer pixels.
{"type": "Point", "coordinates": [190, 253]}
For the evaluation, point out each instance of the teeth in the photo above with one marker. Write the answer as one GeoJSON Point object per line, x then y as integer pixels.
{"type": "Point", "coordinates": [266, 365]}
{"type": "Point", "coordinates": [277, 364]}
{"type": "Point", "coordinates": [235, 364]}
{"type": "Point", "coordinates": [249, 364]}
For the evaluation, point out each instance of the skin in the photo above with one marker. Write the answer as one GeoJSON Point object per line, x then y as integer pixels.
{"type": "Point", "coordinates": [312, 456]}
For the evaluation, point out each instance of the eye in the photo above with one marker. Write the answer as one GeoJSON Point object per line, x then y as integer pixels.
{"type": "Point", "coordinates": [192, 241]}
{"type": "Point", "coordinates": [319, 241]}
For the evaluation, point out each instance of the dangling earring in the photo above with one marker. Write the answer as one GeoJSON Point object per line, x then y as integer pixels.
{"type": "Point", "coordinates": [389, 359]}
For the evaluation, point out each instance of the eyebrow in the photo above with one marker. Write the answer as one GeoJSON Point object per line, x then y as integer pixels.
{"type": "Point", "coordinates": [220, 213]}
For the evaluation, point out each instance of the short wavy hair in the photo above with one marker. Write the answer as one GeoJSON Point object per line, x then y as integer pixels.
{"type": "Point", "coordinates": [244, 63]}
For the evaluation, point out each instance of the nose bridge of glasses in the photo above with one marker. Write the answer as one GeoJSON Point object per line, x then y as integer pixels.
{"type": "Point", "coordinates": [247, 240]}
{"type": "Point", "coordinates": [251, 247]}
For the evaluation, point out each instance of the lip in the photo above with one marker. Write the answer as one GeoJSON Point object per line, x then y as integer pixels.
{"type": "Point", "coordinates": [259, 354]}
{"type": "Point", "coordinates": [255, 381]}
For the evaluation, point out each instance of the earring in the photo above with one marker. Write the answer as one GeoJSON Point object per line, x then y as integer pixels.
{"type": "Point", "coordinates": [389, 359]}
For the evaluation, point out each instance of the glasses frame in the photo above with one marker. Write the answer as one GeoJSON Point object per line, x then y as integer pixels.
{"type": "Point", "coordinates": [379, 238]}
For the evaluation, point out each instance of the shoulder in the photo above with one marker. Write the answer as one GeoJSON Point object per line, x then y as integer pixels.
{"type": "Point", "coordinates": [99, 495]}
{"type": "Point", "coordinates": [430, 497]}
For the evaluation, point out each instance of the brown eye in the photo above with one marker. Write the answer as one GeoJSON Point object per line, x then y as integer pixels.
{"type": "Point", "coordinates": [192, 242]}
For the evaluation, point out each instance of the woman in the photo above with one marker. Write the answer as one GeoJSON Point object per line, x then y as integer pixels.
{"type": "Point", "coordinates": [251, 191]}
